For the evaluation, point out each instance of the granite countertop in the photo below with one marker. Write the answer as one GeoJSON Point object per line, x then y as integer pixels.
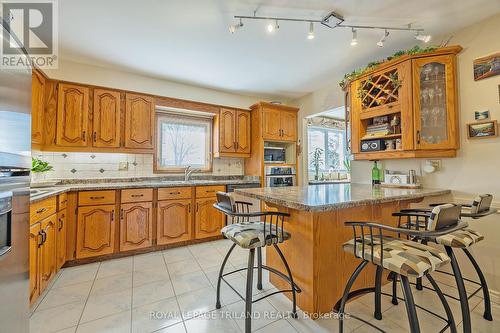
{"type": "Point", "coordinates": [327, 197]}
{"type": "Point", "coordinates": [40, 193]}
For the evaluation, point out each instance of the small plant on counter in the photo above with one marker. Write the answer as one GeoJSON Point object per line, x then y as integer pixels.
{"type": "Point", "coordinates": [39, 166]}
{"type": "Point", "coordinates": [347, 165]}
{"type": "Point", "coordinates": [317, 161]}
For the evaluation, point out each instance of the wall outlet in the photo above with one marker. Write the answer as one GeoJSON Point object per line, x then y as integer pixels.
{"type": "Point", "coordinates": [435, 163]}
{"type": "Point", "coordinates": [123, 166]}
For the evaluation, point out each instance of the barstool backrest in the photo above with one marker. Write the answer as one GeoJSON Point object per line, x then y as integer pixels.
{"type": "Point", "coordinates": [444, 216]}
{"type": "Point", "coordinates": [481, 203]}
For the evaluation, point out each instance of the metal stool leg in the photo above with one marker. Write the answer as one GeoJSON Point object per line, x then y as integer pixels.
{"type": "Point", "coordinates": [348, 287]}
{"type": "Point", "coordinates": [486, 293]}
{"type": "Point", "coordinates": [410, 305]}
{"type": "Point", "coordinates": [394, 278]}
{"type": "Point", "coordinates": [248, 297]}
{"type": "Point", "coordinates": [418, 285]}
{"type": "Point", "coordinates": [378, 293]}
{"type": "Point", "coordinates": [447, 309]}
{"type": "Point", "coordinates": [464, 302]}
{"type": "Point", "coordinates": [259, 268]}
{"type": "Point", "coordinates": [289, 272]}
{"type": "Point", "coordinates": [221, 272]}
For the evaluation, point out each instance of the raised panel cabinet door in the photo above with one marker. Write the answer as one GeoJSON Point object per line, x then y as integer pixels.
{"type": "Point", "coordinates": [136, 226]}
{"type": "Point", "coordinates": [37, 107]}
{"type": "Point", "coordinates": [208, 220]}
{"type": "Point", "coordinates": [243, 132]}
{"type": "Point", "coordinates": [61, 239]}
{"type": "Point", "coordinates": [435, 105]}
{"type": "Point", "coordinates": [227, 131]}
{"type": "Point", "coordinates": [139, 121]}
{"type": "Point", "coordinates": [34, 247]}
{"type": "Point", "coordinates": [72, 115]}
{"type": "Point", "coordinates": [48, 251]}
{"type": "Point", "coordinates": [174, 221]}
{"type": "Point", "coordinates": [106, 123]}
{"type": "Point", "coordinates": [271, 128]}
{"type": "Point", "coordinates": [288, 125]}
{"type": "Point", "coordinates": [95, 234]}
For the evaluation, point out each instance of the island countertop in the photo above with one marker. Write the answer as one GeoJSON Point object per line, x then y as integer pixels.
{"type": "Point", "coordinates": [320, 198]}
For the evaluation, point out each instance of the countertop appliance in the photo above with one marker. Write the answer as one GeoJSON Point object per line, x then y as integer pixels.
{"type": "Point", "coordinates": [274, 154]}
{"type": "Point", "coordinates": [280, 176]}
{"type": "Point", "coordinates": [15, 164]}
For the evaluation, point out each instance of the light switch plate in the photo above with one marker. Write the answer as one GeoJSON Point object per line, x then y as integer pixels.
{"type": "Point", "coordinates": [435, 163]}
{"type": "Point", "coordinates": [123, 166]}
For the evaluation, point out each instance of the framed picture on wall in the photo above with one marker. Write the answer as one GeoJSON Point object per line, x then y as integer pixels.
{"type": "Point", "coordinates": [484, 129]}
{"type": "Point", "coordinates": [487, 66]}
{"type": "Point", "coordinates": [481, 115]}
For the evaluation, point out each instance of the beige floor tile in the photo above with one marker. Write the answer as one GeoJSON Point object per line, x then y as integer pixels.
{"type": "Point", "coordinates": [64, 295]}
{"type": "Point", "coordinates": [278, 326]}
{"type": "Point", "coordinates": [102, 305]}
{"type": "Point", "coordinates": [77, 274]}
{"type": "Point", "coordinates": [115, 267]}
{"type": "Point", "coordinates": [67, 316]}
{"type": "Point", "coordinates": [212, 259]}
{"type": "Point", "coordinates": [152, 292]}
{"type": "Point", "coordinates": [155, 316]}
{"type": "Point", "coordinates": [112, 284]}
{"type": "Point", "coordinates": [177, 328]}
{"type": "Point", "coordinates": [148, 276]}
{"type": "Point", "coordinates": [67, 330]}
{"type": "Point", "coordinates": [177, 254]}
{"type": "Point", "coordinates": [263, 314]}
{"type": "Point", "coordinates": [183, 267]}
{"type": "Point", "coordinates": [199, 250]}
{"type": "Point", "coordinates": [214, 321]}
{"type": "Point", "coordinates": [189, 282]}
{"type": "Point", "coordinates": [149, 261]}
{"type": "Point", "coordinates": [195, 303]}
{"type": "Point", "coordinates": [117, 323]}
{"type": "Point", "coordinates": [213, 273]}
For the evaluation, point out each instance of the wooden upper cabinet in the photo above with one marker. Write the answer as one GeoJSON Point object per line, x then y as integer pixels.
{"type": "Point", "coordinates": [95, 231]}
{"type": "Point", "coordinates": [48, 251]}
{"type": "Point", "coordinates": [61, 239]}
{"type": "Point", "coordinates": [208, 220]}
{"type": "Point", "coordinates": [227, 131]}
{"type": "Point", "coordinates": [288, 121]}
{"type": "Point", "coordinates": [35, 240]}
{"type": "Point", "coordinates": [72, 115]}
{"type": "Point", "coordinates": [37, 107]}
{"type": "Point", "coordinates": [174, 221]}
{"type": "Point", "coordinates": [243, 132]}
{"type": "Point", "coordinates": [139, 121]}
{"type": "Point", "coordinates": [271, 124]}
{"type": "Point", "coordinates": [106, 123]}
{"type": "Point", "coordinates": [136, 226]}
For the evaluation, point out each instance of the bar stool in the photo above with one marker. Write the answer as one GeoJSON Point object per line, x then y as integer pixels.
{"type": "Point", "coordinates": [403, 258]}
{"type": "Point", "coordinates": [462, 239]}
{"type": "Point", "coordinates": [247, 234]}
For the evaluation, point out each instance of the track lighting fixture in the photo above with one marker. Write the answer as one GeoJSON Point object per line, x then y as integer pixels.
{"type": "Point", "coordinates": [422, 38]}
{"type": "Point", "coordinates": [382, 40]}
{"type": "Point", "coordinates": [234, 27]}
{"type": "Point", "coordinates": [354, 40]}
{"type": "Point", "coordinates": [272, 27]}
{"type": "Point", "coordinates": [310, 35]}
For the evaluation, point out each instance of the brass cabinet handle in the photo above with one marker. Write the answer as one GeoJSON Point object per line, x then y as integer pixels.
{"type": "Point", "coordinates": [113, 215]}
{"type": "Point", "coordinates": [418, 137]}
{"type": "Point", "coordinates": [189, 208]}
{"type": "Point", "coordinates": [137, 195]}
{"type": "Point", "coordinates": [121, 214]}
{"type": "Point", "coordinates": [197, 206]}
{"type": "Point", "coordinates": [41, 210]}
{"type": "Point", "coordinates": [83, 135]}
{"type": "Point", "coordinates": [61, 224]}
{"type": "Point", "coordinates": [63, 202]}
{"type": "Point", "coordinates": [174, 192]}
{"type": "Point", "coordinates": [97, 198]}
{"type": "Point", "coordinates": [95, 136]}
{"type": "Point", "coordinates": [40, 243]}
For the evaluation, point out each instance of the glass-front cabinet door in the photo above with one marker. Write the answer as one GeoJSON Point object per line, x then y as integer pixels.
{"type": "Point", "coordinates": [434, 101]}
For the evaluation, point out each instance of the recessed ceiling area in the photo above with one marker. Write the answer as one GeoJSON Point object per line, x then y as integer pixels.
{"type": "Point", "coordinates": [189, 41]}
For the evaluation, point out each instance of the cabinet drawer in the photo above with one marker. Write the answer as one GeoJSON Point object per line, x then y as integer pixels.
{"type": "Point", "coordinates": [62, 201]}
{"type": "Point", "coordinates": [175, 193]}
{"type": "Point", "coordinates": [90, 198]}
{"type": "Point", "coordinates": [137, 195]}
{"type": "Point", "coordinates": [42, 209]}
{"type": "Point", "coordinates": [209, 191]}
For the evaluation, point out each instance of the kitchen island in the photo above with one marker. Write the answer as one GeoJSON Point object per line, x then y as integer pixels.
{"type": "Point", "coordinates": [317, 214]}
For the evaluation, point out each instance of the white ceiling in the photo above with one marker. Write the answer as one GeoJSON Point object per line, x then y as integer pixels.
{"type": "Point", "coordinates": [188, 40]}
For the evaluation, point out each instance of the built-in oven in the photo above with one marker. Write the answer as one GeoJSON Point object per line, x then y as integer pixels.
{"type": "Point", "coordinates": [274, 154]}
{"type": "Point", "coordinates": [5, 223]}
{"type": "Point", "coordinates": [280, 176]}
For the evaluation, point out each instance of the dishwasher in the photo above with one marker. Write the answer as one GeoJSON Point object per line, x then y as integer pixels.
{"type": "Point", "coordinates": [238, 197]}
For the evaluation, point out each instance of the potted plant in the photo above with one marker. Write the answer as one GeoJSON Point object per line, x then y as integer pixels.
{"type": "Point", "coordinates": [316, 161]}
{"type": "Point", "coordinates": [38, 169]}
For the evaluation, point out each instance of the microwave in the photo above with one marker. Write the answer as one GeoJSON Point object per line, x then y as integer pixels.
{"type": "Point", "coordinates": [274, 155]}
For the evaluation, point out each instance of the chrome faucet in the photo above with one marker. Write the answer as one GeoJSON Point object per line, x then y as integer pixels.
{"type": "Point", "coordinates": [187, 173]}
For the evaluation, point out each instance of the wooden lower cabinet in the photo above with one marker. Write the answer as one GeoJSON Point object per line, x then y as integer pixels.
{"type": "Point", "coordinates": [95, 233]}
{"type": "Point", "coordinates": [35, 239]}
{"type": "Point", "coordinates": [136, 226]}
{"type": "Point", "coordinates": [61, 239]}
{"type": "Point", "coordinates": [174, 220]}
{"type": "Point", "coordinates": [208, 220]}
{"type": "Point", "coordinates": [48, 251]}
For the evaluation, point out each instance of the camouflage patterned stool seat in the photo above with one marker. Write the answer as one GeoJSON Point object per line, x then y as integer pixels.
{"type": "Point", "coordinates": [250, 235]}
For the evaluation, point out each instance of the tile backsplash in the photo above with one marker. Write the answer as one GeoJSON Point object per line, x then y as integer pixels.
{"type": "Point", "coordinates": [106, 165]}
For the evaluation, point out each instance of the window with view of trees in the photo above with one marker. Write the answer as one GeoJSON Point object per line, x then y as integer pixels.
{"type": "Point", "coordinates": [331, 143]}
{"type": "Point", "coordinates": [183, 141]}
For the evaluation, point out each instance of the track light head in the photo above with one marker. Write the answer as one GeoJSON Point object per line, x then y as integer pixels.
{"type": "Point", "coordinates": [423, 38]}
{"type": "Point", "coordinates": [382, 40]}
{"type": "Point", "coordinates": [234, 27]}
{"type": "Point", "coordinates": [354, 40]}
{"type": "Point", "coordinates": [273, 27]}
{"type": "Point", "coordinates": [310, 35]}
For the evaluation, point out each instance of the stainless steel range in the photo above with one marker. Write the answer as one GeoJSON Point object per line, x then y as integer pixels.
{"type": "Point", "coordinates": [280, 176]}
